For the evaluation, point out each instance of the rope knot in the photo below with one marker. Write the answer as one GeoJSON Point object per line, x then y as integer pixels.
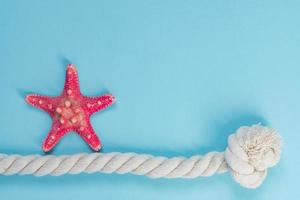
{"type": "Point", "coordinates": [250, 152]}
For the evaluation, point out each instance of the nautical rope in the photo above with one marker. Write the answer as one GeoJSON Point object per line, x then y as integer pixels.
{"type": "Point", "coordinates": [250, 151]}
{"type": "Point", "coordinates": [139, 164]}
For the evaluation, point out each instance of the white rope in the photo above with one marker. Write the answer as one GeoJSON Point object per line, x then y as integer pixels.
{"type": "Point", "coordinates": [250, 152]}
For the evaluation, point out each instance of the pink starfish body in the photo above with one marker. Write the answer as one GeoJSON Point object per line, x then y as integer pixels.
{"type": "Point", "coordinates": [71, 111]}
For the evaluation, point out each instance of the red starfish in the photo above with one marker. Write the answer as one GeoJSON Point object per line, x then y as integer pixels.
{"type": "Point", "coordinates": [71, 111]}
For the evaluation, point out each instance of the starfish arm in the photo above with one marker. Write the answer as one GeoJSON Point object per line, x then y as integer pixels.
{"type": "Point", "coordinates": [95, 104]}
{"type": "Point", "coordinates": [53, 137]}
{"type": "Point", "coordinates": [45, 103]}
{"type": "Point", "coordinates": [90, 137]}
{"type": "Point", "coordinates": [71, 83]}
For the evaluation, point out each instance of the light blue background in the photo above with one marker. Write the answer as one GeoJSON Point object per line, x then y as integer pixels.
{"type": "Point", "coordinates": [186, 74]}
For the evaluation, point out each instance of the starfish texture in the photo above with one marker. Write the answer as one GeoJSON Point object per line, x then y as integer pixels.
{"type": "Point", "coordinates": [71, 111]}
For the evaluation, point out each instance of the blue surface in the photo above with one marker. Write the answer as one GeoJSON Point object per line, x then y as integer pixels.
{"type": "Point", "coordinates": [186, 74]}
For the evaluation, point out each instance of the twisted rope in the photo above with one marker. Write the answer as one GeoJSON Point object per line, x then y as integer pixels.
{"type": "Point", "coordinates": [121, 163]}
{"type": "Point", "coordinates": [250, 152]}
